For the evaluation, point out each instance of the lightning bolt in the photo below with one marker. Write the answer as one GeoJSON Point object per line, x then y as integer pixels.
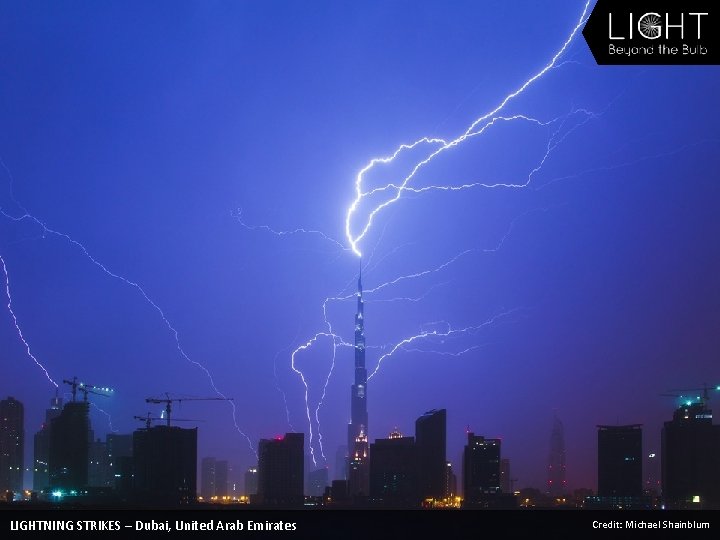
{"type": "Point", "coordinates": [437, 333]}
{"type": "Point", "coordinates": [17, 325]}
{"type": "Point", "coordinates": [49, 231]}
{"type": "Point", "coordinates": [281, 233]}
{"type": "Point", "coordinates": [479, 126]}
{"type": "Point", "coordinates": [110, 425]}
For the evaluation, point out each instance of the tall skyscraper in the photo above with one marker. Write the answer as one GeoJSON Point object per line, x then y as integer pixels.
{"type": "Point", "coordinates": [251, 481]}
{"type": "Point", "coordinates": [207, 478]}
{"type": "Point", "coordinates": [481, 468]}
{"type": "Point", "coordinates": [12, 445]}
{"type": "Point", "coordinates": [213, 478]}
{"type": "Point", "coordinates": [556, 483]}
{"type": "Point", "coordinates": [317, 482]}
{"type": "Point", "coordinates": [165, 459]}
{"type": "Point", "coordinates": [505, 480]}
{"type": "Point", "coordinates": [281, 470]}
{"type": "Point", "coordinates": [620, 461]}
{"type": "Point", "coordinates": [98, 464]}
{"type": "Point", "coordinates": [221, 478]}
{"type": "Point", "coordinates": [357, 438]}
{"type": "Point", "coordinates": [41, 447]}
{"type": "Point", "coordinates": [430, 440]}
{"type": "Point", "coordinates": [690, 459]}
{"type": "Point", "coordinates": [69, 455]}
{"type": "Point", "coordinates": [394, 472]}
{"type": "Point", "coordinates": [119, 460]}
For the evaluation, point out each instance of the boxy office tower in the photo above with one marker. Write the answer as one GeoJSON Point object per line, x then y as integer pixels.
{"type": "Point", "coordinates": [165, 465]}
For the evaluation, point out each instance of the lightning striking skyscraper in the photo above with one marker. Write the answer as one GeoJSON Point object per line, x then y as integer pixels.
{"type": "Point", "coordinates": [358, 463]}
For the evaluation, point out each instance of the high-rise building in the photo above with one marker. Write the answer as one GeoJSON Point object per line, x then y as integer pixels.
{"type": "Point", "coordinates": [12, 445]}
{"type": "Point", "coordinates": [690, 459]}
{"type": "Point", "coordinates": [505, 480]}
{"type": "Point", "coordinates": [481, 467]}
{"type": "Point", "coordinates": [556, 482]}
{"type": "Point", "coordinates": [430, 440]}
{"type": "Point", "coordinates": [41, 447]}
{"type": "Point", "coordinates": [98, 464]}
{"type": "Point", "coordinates": [394, 472]}
{"type": "Point", "coordinates": [119, 461]}
{"type": "Point", "coordinates": [281, 470]}
{"type": "Point", "coordinates": [317, 482]}
{"type": "Point", "coordinates": [620, 461]}
{"type": "Point", "coordinates": [207, 478]}
{"type": "Point", "coordinates": [69, 450]}
{"type": "Point", "coordinates": [450, 481]}
{"type": "Point", "coordinates": [213, 478]}
{"type": "Point", "coordinates": [221, 478]}
{"type": "Point", "coordinates": [165, 465]}
{"type": "Point", "coordinates": [357, 436]}
{"type": "Point", "coordinates": [341, 463]}
{"type": "Point", "coordinates": [251, 481]}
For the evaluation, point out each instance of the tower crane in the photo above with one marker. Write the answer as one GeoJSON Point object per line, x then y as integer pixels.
{"type": "Point", "coordinates": [148, 419]}
{"type": "Point", "coordinates": [86, 389]}
{"type": "Point", "coordinates": [167, 400]}
{"type": "Point", "coordinates": [705, 389]}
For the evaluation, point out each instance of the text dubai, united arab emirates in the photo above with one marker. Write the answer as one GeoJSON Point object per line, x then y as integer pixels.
{"type": "Point", "coordinates": [152, 525]}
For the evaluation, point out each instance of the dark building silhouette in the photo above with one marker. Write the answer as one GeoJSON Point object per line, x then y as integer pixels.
{"type": "Point", "coordinates": [505, 479]}
{"type": "Point", "coordinates": [98, 464]}
{"type": "Point", "coordinates": [12, 445]}
{"type": "Point", "coordinates": [556, 482]}
{"type": "Point", "coordinates": [251, 481]}
{"type": "Point", "coordinates": [690, 459]}
{"type": "Point", "coordinates": [69, 450]}
{"type": "Point", "coordinates": [481, 474]}
{"type": "Point", "coordinates": [620, 484]}
{"type": "Point", "coordinates": [213, 478]}
{"type": "Point", "coordinates": [451, 487]}
{"type": "Point", "coordinates": [165, 465]}
{"type": "Point", "coordinates": [41, 447]}
{"type": "Point", "coordinates": [119, 461]}
{"type": "Point", "coordinates": [430, 440]}
{"type": "Point", "coordinates": [281, 470]}
{"type": "Point", "coordinates": [317, 482]}
{"type": "Point", "coordinates": [620, 461]}
{"type": "Point", "coordinates": [341, 463]}
{"type": "Point", "coordinates": [357, 436]}
{"type": "Point", "coordinates": [394, 472]}
{"type": "Point", "coordinates": [481, 467]}
{"type": "Point", "coordinates": [207, 478]}
{"type": "Point", "coordinates": [221, 478]}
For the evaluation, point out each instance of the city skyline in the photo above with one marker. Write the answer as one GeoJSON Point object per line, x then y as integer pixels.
{"type": "Point", "coordinates": [176, 188]}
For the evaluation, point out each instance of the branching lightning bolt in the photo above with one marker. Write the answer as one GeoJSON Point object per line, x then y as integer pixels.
{"type": "Point", "coordinates": [17, 325]}
{"type": "Point", "coordinates": [437, 333]}
{"type": "Point", "coordinates": [299, 230]}
{"type": "Point", "coordinates": [483, 122]}
{"type": "Point", "coordinates": [47, 230]}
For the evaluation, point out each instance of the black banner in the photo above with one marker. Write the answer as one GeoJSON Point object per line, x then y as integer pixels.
{"type": "Point", "coordinates": [346, 524]}
{"type": "Point", "coordinates": [654, 32]}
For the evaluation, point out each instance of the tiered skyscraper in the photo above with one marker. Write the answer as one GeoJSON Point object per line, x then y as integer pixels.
{"type": "Point", "coordinates": [556, 483]}
{"type": "Point", "coordinates": [358, 462]}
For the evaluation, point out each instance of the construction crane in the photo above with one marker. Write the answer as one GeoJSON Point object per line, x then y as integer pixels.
{"type": "Point", "coordinates": [685, 394]}
{"type": "Point", "coordinates": [705, 389]}
{"type": "Point", "coordinates": [86, 389]}
{"type": "Point", "coordinates": [167, 400]}
{"type": "Point", "coordinates": [148, 419]}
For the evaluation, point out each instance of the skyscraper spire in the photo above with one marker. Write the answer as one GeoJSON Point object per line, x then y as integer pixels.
{"type": "Point", "coordinates": [358, 466]}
